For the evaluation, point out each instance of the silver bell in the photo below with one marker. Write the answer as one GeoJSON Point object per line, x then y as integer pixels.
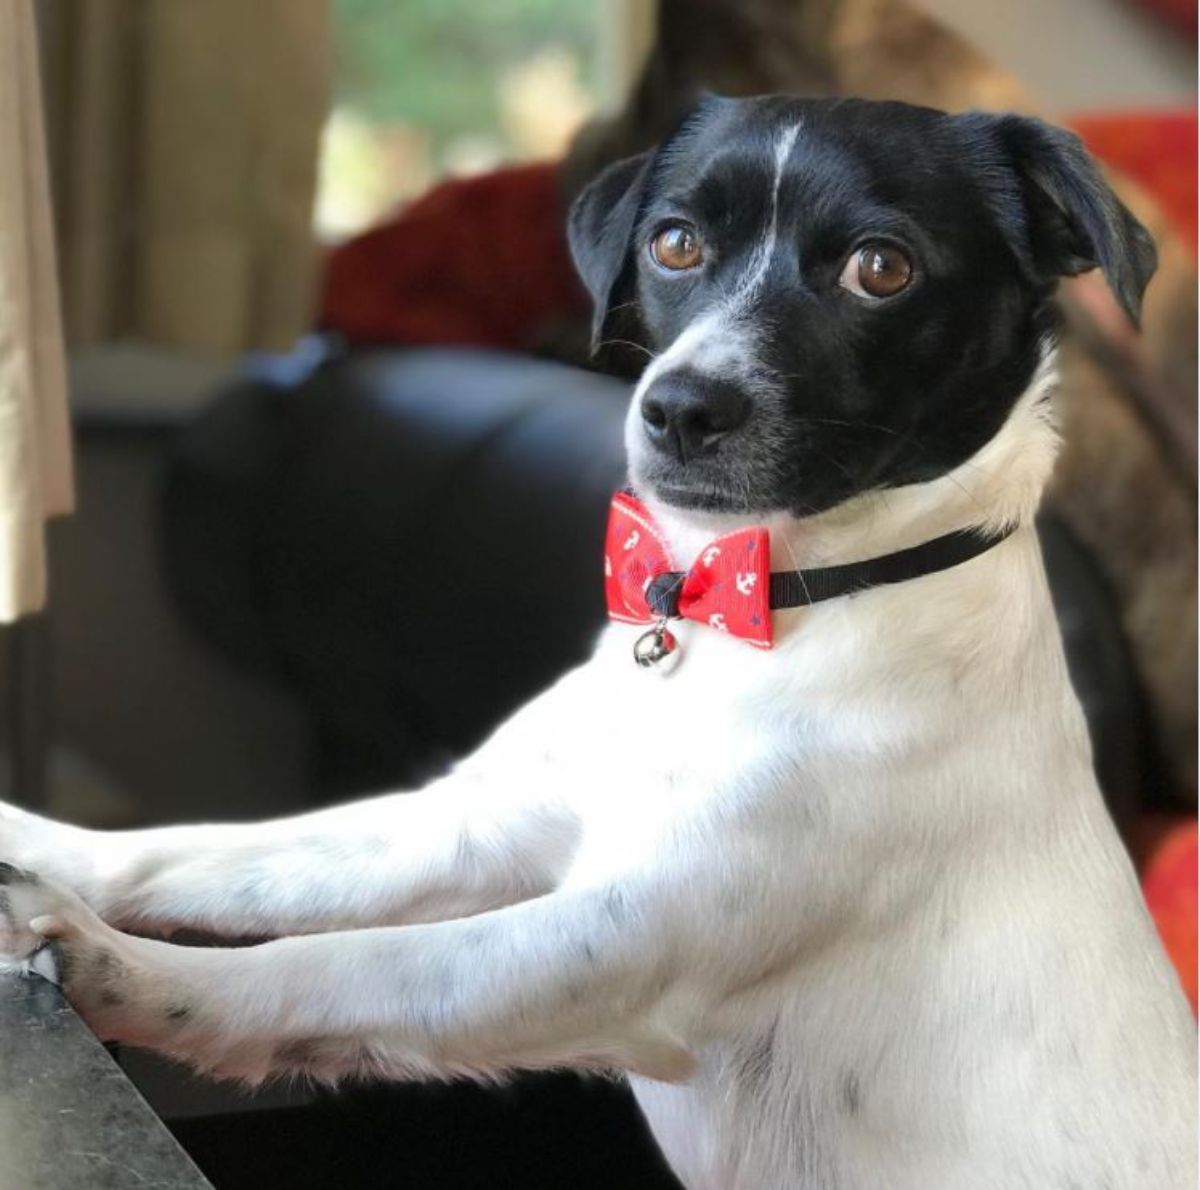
{"type": "Point", "coordinates": [655, 646]}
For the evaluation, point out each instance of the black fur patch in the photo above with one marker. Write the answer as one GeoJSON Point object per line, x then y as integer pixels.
{"type": "Point", "coordinates": [848, 394]}
{"type": "Point", "coordinates": [99, 971]}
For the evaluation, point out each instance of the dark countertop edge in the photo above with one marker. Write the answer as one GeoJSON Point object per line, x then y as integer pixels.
{"type": "Point", "coordinates": [70, 1119]}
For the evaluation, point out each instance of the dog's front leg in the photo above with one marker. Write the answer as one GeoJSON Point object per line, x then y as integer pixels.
{"type": "Point", "coordinates": [578, 979]}
{"type": "Point", "coordinates": [496, 830]}
{"type": "Point", "coordinates": [455, 848]}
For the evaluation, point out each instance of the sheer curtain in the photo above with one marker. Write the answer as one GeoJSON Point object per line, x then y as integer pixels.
{"type": "Point", "coordinates": [184, 139]}
{"type": "Point", "coordinates": [35, 451]}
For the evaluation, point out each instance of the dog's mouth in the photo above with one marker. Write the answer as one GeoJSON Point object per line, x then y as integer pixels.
{"type": "Point", "coordinates": [755, 478]}
{"type": "Point", "coordinates": [723, 481]}
{"type": "Point", "coordinates": [693, 489]}
{"type": "Point", "coordinates": [697, 499]}
{"type": "Point", "coordinates": [708, 486]}
{"type": "Point", "coordinates": [731, 498]}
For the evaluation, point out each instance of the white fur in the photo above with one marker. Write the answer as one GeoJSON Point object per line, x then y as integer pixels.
{"type": "Point", "coordinates": [852, 911]}
{"type": "Point", "coordinates": [757, 271]}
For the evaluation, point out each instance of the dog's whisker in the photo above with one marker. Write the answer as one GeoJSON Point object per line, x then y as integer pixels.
{"type": "Point", "coordinates": [787, 545]}
{"type": "Point", "coordinates": [851, 425]}
{"type": "Point", "coordinates": [632, 304]}
{"type": "Point", "coordinates": [627, 343]}
{"type": "Point", "coordinates": [834, 462]}
{"type": "Point", "coordinates": [969, 494]}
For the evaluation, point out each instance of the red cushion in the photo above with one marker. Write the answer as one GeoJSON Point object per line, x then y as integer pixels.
{"type": "Point", "coordinates": [478, 261]}
{"type": "Point", "coordinates": [1169, 882]}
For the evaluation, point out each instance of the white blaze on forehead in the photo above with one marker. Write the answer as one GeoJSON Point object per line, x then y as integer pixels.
{"type": "Point", "coordinates": [719, 342]}
{"type": "Point", "coordinates": [761, 261]}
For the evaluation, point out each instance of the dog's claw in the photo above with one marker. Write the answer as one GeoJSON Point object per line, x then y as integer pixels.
{"type": "Point", "coordinates": [44, 964]}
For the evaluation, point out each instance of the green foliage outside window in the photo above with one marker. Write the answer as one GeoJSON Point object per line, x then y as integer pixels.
{"type": "Point", "coordinates": [435, 63]}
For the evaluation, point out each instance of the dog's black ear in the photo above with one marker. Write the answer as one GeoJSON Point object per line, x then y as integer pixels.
{"type": "Point", "coordinates": [600, 231]}
{"type": "Point", "coordinates": [1076, 222]}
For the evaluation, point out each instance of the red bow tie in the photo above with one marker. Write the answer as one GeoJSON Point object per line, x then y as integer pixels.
{"type": "Point", "coordinates": [727, 587]}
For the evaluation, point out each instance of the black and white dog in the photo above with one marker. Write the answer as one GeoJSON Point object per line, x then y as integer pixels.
{"type": "Point", "coordinates": [849, 911]}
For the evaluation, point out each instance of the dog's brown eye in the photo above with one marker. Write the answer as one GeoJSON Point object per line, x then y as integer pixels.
{"type": "Point", "coordinates": [677, 247]}
{"type": "Point", "coordinates": [876, 271]}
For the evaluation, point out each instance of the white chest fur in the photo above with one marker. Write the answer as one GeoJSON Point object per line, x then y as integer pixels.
{"type": "Point", "coordinates": [901, 797]}
{"type": "Point", "coordinates": [892, 822]}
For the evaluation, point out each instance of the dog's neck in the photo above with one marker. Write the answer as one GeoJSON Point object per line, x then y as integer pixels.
{"type": "Point", "coordinates": [998, 488]}
{"type": "Point", "coordinates": [995, 609]}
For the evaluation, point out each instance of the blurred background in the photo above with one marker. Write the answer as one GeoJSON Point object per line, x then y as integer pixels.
{"type": "Point", "coordinates": [428, 89]}
{"type": "Point", "coordinates": [383, 98]}
{"type": "Point", "coordinates": [319, 315]}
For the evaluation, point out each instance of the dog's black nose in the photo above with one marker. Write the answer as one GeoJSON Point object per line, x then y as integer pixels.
{"type": "Point", "coordinates": [688, 415]}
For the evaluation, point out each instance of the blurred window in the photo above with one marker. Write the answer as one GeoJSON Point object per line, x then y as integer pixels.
{"type": "Point", "coordinates": [429, 88]}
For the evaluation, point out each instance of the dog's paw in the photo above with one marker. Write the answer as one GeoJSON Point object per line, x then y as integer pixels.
{"type": "Point", "coordinates": [47, 930]}
{"type": "Point", "coordinates": [22, 896]}
{"type": "Point", "coordinates": [35, 914]}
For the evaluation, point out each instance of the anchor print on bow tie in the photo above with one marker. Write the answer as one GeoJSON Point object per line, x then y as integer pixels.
{"type": "Point", "coordinates": [726, 588]}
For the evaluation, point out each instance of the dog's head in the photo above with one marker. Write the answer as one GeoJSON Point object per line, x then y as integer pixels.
{"type": "Point", "coordinates": [839, 296]}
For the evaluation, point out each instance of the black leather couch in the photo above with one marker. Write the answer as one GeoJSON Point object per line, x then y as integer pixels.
{"type": "Point", "coordinates": [409, 541]}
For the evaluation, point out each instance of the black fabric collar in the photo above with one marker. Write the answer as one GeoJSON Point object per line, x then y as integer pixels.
{"type": "Point", "coordinates": [800, 588]}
